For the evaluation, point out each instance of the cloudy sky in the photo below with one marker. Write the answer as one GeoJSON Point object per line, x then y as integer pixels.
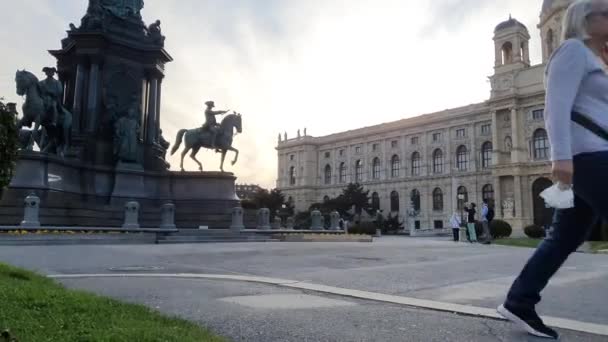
{"type": "Point", "coordinates": [327, 65]}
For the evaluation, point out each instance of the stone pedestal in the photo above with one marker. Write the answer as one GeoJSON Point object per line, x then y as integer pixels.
{"type": "Point", "coordinates": [276, 224]}
{"type": "Point", "coordinates": [334, 219]}
{"type": "Point", "coordinates": [31, 216]}
{"type": "Point", "coordinates": [263, 219]}
{"type": "Point", "coordinates": [462, 236]}
{"type": "Point", "coordinates": [85, 194]}
{"type": "Point", "coordinates": [129, 181]}
{"type": "Point", "coordinates": [237, 220]}
{"type": "Point", "coordinates": [131, 216]}
{"type": "Point", "coordinates": [167, 216]}
{"type": "Point", "coordinates": [316, 220]}
{"type": "Point", "coordinates": [290, 224]}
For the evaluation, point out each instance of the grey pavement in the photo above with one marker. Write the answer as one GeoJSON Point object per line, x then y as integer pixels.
{"type": "Point", "coordinates": [420, 268]}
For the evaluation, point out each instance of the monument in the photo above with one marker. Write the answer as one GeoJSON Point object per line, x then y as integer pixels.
{"type": "Point", "coordinates": [98, 129]}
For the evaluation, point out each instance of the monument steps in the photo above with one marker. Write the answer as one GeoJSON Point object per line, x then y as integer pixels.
{"type": "Point", "coordinates": [76, 239]}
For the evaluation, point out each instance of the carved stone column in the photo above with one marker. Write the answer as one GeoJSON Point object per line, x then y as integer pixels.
{"type": "Point", "coordinates": [79, 91]}
{"type": "Point", "coordinates": [517, 148]}
{"type": "Point", "coordinates": [151, 126]}
{"type": "Point", "coordinates": [93, 97]}
{"type": "Point", "coordinates": [495, 142]}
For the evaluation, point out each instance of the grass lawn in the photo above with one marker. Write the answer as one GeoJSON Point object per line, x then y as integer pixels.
{"type": "Point", "coordinates": [533, 243]}
{"type": "Point", "coordinates": [35, 308]}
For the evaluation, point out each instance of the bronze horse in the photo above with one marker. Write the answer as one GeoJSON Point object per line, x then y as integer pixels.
{"type": "Point", "coordinates": [195, 139]}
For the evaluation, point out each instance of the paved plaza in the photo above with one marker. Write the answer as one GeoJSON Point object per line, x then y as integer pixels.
{"type": "Point", "coordinates": [293, 308]}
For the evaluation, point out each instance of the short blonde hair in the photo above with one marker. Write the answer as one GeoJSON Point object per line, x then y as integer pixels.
{"type": "Point", "coordinates": [575, 20]}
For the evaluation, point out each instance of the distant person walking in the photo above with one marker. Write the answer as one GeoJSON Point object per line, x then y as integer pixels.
{"type": "Point", "coordinates": [470, 210]}
{"type": "Point", "coordinates": [485, 222]}
{"type": "Point", "coordinates": [455, 222]}
{"type": "Point", "coordinates": [576, 117]}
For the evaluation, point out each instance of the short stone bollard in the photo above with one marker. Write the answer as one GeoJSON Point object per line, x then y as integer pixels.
{"type": "Point", "coordinates": [316, 219]}
{"type": "Point", "coordinates": [334, 221]}
{"type": "Point", "coordinates": [462, 235]}
{"type": "Point", "coordinates": [264, 219]}
{"type": "Point", "coordinates": [276, 223]}
{"type": "Point", "coordinates": [167, 216]}
{"type": "Point", "coordinates": [31, 215]}
{"type": "Point", "coordinates": [237, 219]}
{"type": "Point", "coordinates": [131, 216]}
{"type": "Point", "coordinates": [291, 223]}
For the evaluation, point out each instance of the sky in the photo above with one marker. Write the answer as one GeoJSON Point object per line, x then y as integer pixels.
{"type": "Point", "coordinates": [324, 65]}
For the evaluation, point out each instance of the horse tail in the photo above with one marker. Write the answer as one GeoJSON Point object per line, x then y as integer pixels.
{"type": "Point", "coordinates": [178, 140]}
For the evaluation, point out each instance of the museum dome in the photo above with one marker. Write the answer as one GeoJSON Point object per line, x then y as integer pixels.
{"type": "Point", "coordinates": [511, 23]}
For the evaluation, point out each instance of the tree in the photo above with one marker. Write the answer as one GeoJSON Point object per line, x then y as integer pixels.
{"type": "Point", "coordinates": [9, 144]}
{"type": "Point", "coordinates": [273, 200]}
{"type": "Point", "coordinates": [354, 195]}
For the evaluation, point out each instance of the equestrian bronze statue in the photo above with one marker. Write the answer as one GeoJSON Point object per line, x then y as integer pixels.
{"type": "Point", "coordinates": [210, 136]}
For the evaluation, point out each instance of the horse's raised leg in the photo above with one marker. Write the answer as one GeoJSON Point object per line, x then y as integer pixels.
{"type": "Point", "coordinates": [193, 157]}
{"type": "Point", "coordinates": [184, 152]}
{"type": "Point", "coordinates": [222, 162]}
{"type": "Point", "coordinates": [236, 156]}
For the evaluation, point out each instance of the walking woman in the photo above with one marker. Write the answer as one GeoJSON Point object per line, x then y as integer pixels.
{"type": "Point", "coordinates": [576, 115]}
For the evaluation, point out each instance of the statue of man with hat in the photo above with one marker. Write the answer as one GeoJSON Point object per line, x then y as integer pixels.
{"type": "Point", "coordinates": [210, 124]}
{"type": "Point", "coordinates": [52, 93]}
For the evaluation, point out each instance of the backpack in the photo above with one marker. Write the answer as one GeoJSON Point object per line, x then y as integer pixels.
{"type": "Point", "coordinates": [490, 214]}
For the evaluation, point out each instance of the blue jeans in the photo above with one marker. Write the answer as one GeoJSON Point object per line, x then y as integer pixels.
{"type": "Point", "coordinates": [571, 227]}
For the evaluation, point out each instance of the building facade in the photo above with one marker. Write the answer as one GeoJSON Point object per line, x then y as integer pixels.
{"type": "Point", "coordinates": [427, 167]}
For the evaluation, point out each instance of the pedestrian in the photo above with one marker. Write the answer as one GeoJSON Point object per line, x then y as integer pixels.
{"type": "Point", "coordinates": [341, 223]}
{"type": "Point", "coordinates": [455, 223]}
{"type": "Point", "coordinates": [470, 210]}
{"type": "Point", "coordinates": [485, 210]}
{"type": "Point", "coordinates": [575, 111]}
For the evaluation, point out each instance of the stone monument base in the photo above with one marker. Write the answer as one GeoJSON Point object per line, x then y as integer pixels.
{"type": "Point", "coordinates": [73, 195]}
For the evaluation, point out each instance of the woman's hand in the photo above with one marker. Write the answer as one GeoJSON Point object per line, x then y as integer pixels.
{"type": "Point", "coordinates": [563, 171]}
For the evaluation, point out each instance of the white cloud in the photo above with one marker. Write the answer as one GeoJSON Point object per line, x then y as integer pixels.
{"type": "Point", "coordinates": [327, 65]}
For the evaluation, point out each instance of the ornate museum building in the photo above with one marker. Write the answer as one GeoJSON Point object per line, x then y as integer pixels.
{"type": "Point", "coordinates": [429, 166]}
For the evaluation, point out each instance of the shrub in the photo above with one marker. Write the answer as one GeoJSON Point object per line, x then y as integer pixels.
{"type": "Point", "coordinates": [9, 146]}
{"type": "Point", "coordinates": [500, 229]}
{"type": "Point", "coordinates": [364, 228]}
{"type": "Point", "coordinates": [534, 231]}
{"type": "Point", "coordinates": [248, 204]}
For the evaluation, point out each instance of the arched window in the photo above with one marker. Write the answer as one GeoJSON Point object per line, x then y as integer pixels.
{"type": "Point", "coordinates": [487, 193]}
{"type": "Point", "coordinates": [462, 158]}
{"type": "Point", "coordinates": [486, 155]}
{"type": "Point", "coordinates": [358, 171]}
{"type": "Point", "coordinates": [437, 200]}
{"type": "Point", "coordinates": [395, 166]}
{"type": "Point", "coordinates": [328, 174]}
{"type": "Point", "coordinates": [550, 42]}
{"type": "Point", "coordinates": [438, 161]}
{"type": "Point", "coordinates": [416, 161]}
{"type": "Point", "coordinates": [415, 198]}
{"type": "Point", "coordinates": [375, 201]}
{"type": "Point", "coordinates": [540, 143]}
{"type": "Point", "coordinates": [342, 173]}
{"type": "Point", "coordinates": [292, 175]}
{"type": "Point", "coordinates": [394, 202]}
{"type": "Point", "coordinates": [376, 169]}
{"type": "Point", "coordinates": [462, 196]}
{"type": "Point", "coordinates": [507, 53]}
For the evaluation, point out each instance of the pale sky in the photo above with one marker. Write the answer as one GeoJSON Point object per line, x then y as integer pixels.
{"type": "Point", "coordinates": [327, 65]}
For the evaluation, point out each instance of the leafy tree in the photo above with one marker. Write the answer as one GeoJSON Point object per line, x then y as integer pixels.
{"type": "Point", "coordinates": [273, 200]}
{"type": "Point", "coordinates": [354, 194]}
{"type": "Point", "coordinates": [9, 144]}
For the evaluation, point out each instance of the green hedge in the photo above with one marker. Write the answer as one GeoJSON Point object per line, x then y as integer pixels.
{"type": "Point", "coordinates": [534, 231]}
{"type": "Point", "coordinates": [363, 228]}
{"type": "Point", "coordinates": [500, 229]}
{"type": "Point", "coordinates": [9, 146]}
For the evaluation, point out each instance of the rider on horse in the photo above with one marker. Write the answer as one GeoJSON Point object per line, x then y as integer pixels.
{"type": "Point", "coordinates": [211, 124]}
{"type": "Point", "coordinates": [52, 93]}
